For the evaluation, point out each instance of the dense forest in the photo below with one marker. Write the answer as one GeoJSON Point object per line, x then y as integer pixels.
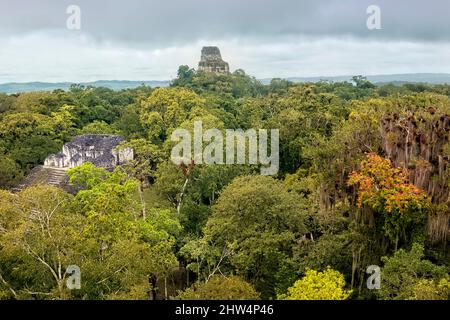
{"type": "Point", "coordinates": [364, 180]}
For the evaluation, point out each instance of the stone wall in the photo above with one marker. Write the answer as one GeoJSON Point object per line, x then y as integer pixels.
{"type": "Point", "coordinates": [95, 148]}
{"type": "Point", "coordinates": [211, 61]}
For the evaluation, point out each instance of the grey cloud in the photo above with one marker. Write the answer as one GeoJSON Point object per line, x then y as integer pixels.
{"type": "Point", "coordinates": [160, 23]}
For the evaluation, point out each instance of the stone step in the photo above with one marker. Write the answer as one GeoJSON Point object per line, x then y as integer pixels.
{"type": "Point", "coordinates": [44, 175]}
{"type": "Point", "coordinates": [54, 181]}
{"type": "Point", "coordinates": [57, 176]}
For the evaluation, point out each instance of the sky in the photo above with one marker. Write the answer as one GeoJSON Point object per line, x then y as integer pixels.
{"type": "Point", "coordinates": [149, 39]}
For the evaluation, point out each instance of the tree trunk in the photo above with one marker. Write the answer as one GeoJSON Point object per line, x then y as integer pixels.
{"type": "Point", "coordinates": [180, 200]}
{"type": "Point", "coordinates": [165, 287]}
{"type": "Point", "coordinates": [153, 281]}
{"type": "Point", "coordinates": [141, 196]}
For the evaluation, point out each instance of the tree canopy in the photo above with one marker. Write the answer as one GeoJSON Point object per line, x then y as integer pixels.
{"type": "Point", "coordinates": [364, 179]}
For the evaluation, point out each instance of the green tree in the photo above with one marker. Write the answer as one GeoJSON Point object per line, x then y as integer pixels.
{"type": "Point", "coordinates": [43, 230]}
{"type": "Point", "coordinates": [87, 175]}
{"type": "Point", "coordinates": [258, 221]}
{"type": "Point", "coordinates": [28, 138]}
{"type": "Point", "coordinates": [41, 243]}
{"type": "Point", "coordinates": [166, 109]}
{"type": "Point", "coordinates": [405, 272]}
{"type": "Point", "coordinates": [362, 82]}
{"type": "Point", "coordinates": [220, 288]}
{"type": "Point", "coordinates": [427, 289]}
{"type": "Point", "coordinates": [184, 77]}
{"type": "Point", "coordinates": [10, 173]}
{"type": "Point", "coordinates": [97, 127]}
{"type": "Point", "coordinates": [326, 285]}
{"type": "Point", "coordinates": [142, 167]}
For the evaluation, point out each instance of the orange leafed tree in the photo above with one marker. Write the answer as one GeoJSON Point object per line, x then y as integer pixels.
{"type": "Point", "coordinates": [385, 188]}
{"type": "Point", "coordinates": [387, 191]}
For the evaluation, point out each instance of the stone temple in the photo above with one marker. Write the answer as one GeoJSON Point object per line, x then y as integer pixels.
{"type": "Point", "coordinates": [95, 148]}
{"type": "Point", "coordinates": [99, 149]}
{"type": "Point", "coordinates": [211, 61]}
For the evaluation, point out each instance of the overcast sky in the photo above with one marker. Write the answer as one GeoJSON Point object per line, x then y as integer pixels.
{"type": "Point", "coordinates": [148, 40]}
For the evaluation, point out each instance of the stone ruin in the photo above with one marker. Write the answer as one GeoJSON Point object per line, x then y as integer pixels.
{"type": "Point", "coordinates": [99, 149]}
{"type": "Point", "coordinates": [211, 61]}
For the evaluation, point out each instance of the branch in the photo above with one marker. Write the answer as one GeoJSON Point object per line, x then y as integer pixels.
{"type": "Point", "coordinates": [7, 284]}
{"type": "Point", "coordinates": [225, 254]}
{"type": "Point", "coordinates": [37, 292]}
{"type": "Point", "coordinates": [42, 261]}
{"type": "Point", "coordinates": [115, 272]}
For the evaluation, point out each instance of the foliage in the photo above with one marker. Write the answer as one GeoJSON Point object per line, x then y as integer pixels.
{"type": "Point", "coordinates": [326, 285]}
{"type": "Point", "coordinates": [166, 109]}
{"type": "Point", "coordinates": [45, 230]}
{"type": "Point", "coordinates": [386, 191]}
{"type": "Point", "coordinates": [384, 188]}
{"type": "Point", "coordinates": [406, 273]}
{"type": "Point", "coordinates": [220, 288]}
{"type": "Point", "coordinates": [431, 290]}
{"type": "Point", "coordinates": [97, 127]}
{"type": "Point", "coordinates": [352, 158]}
{"type": "Point", "coordinates": [257, 220]}
{"type": "Point", "coordinates": [10, 173]}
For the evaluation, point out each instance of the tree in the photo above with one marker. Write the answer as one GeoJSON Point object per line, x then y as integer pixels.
{"type": "Point", "coordinates": [362, 82]}
{"type": "Point", "coordinates": [36, 102]}
{"type": "Point", "coordinates": [116, 224]}
{"type": "Point", "coordinates": [184, 77]}
{"type": "Point", "coordinates": [43, 230]}
{"type": "Point", "coordinates": [148, 217]}
{"type": "Point", "coordinates": [87, 175]}
{"type": "Point", "coordinates": [257, 220]}
{"type": "Point", "coordinates": [129, 124]}
{"type": "Point", "coordinates": [63, 123]}
{"type": "Point", "coordinates": [166, 109]}
{"type": "Point", "coordinates": [43, 242]}
{"type": "Point", "coordinates": [386, 190]}
{"type": "Point", "coordinates": [98, 127]}
{"type": "Point", "coordinates": [28, 138]}
{"type": "Point", "coordinates": [10, 173]}
{"type": "Point", "coordinates": [6, 102]}
{"type": "Point", "coordinates": [205, 184]}
{"type": "Point", "coordinates": [326, 285]}
{"type": "Point", "coordinates": [427, 289]}
{"type": "Point", "coordinates": [406, 272]}
{"type": "Point", "coordinates": [220, 288]}
{"type": "Point", "coordinates": [142, 167]}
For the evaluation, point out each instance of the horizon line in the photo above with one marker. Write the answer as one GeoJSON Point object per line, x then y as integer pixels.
{"type": "Point", "coordinates": [265, 78]}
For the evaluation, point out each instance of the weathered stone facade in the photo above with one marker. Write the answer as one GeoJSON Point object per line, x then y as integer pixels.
{"type": "Point", "coordinates": [98, 149]}
{"type": "Point", "coordinates": [211, 61]}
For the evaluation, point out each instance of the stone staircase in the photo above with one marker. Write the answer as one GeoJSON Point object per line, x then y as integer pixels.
{"type": "Point", "coordinates": [56, 176]}
{"type": "Point", "coordinates": [44, 175]}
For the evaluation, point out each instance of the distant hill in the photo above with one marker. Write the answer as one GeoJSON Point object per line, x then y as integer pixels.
{"type": "Point", "coordinates": [16, 87]}
{"type": "Point", "coordinates": [398, 79]}
{"type": "Point", "coordinates": [433, 78]}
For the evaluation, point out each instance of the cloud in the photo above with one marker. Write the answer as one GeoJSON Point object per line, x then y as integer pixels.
{"type": "Point", "coordinates": [177, 22]}
{"type": "Point", "coordinates": [54, 57]}
{"type": "Point", "coordinates": [148, 40]}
